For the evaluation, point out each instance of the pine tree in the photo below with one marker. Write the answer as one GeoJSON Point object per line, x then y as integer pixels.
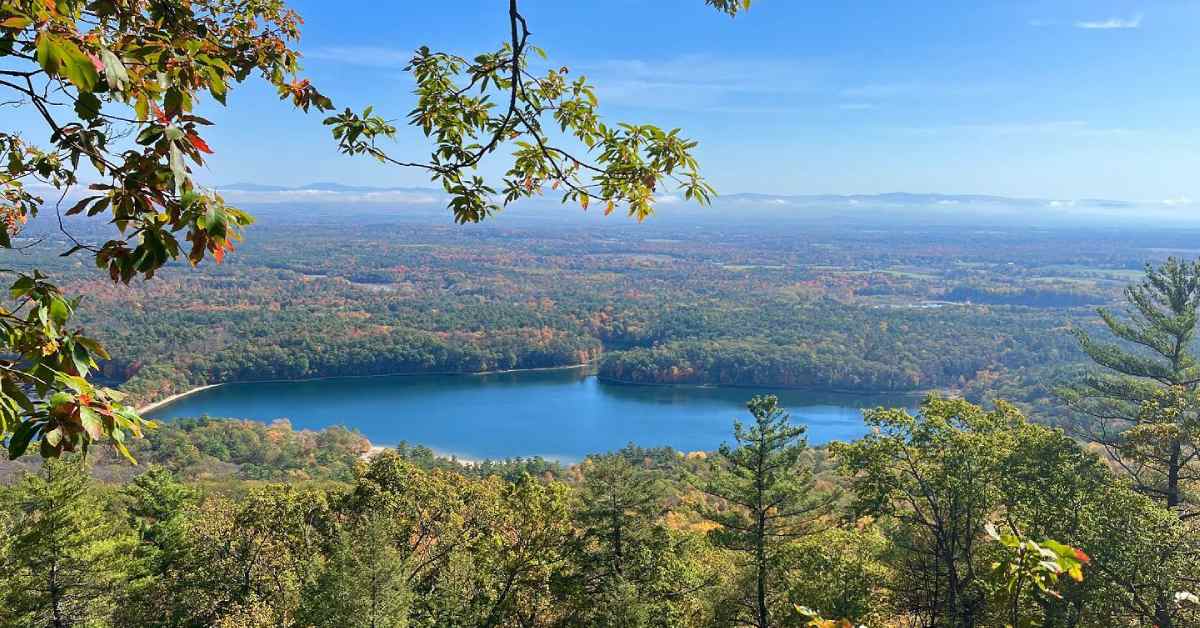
{"type": "Point", "coordinates": [364, 584]}
{"type": "Point", "coordinates": [619, 573]}
{"type": "Point", "coordinates": [769, 498]}
{"type": "Point", "coordinates": [620, 505]}
{"type": "Point", "coordinates": [158, 511]}
{"type": "Point", "coordinates": [67, 557]}
{"type": "Point", "coordinates": [1144, 408]}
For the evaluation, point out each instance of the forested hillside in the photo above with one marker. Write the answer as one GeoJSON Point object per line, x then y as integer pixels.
{"type": "Point", "coordinates": [633, 538]}
{"type": "Point", "coordinates": [655, 303]}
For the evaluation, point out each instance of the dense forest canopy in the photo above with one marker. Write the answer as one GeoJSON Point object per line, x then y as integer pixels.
{"type": "Point", "coordinates": [956, 516]}
{"type": "Point", "coordinates": [662, 302]}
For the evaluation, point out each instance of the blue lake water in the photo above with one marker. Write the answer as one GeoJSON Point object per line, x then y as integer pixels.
{"type": "Point", "coordinates": [564, 415]}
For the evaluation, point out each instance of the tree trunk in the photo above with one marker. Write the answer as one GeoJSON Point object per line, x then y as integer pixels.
{"type": "Point", "coordinates": [760, 541]}
{"type": "Point", "coordinates": [618, 551]}
{"type": "Point", "coordinates": [959, 614]}
{"type": "Point", "coordinates": [1162, 615]}
{"type": "Point", "coordinates": [761, 561]}
{"type": "Point", "coordinates": [58, 621]}
{"type": "Point", "coordinates": [1173, 475]}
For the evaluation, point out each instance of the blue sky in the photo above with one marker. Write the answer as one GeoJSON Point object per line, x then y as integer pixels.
{"type": "Point", "coordinates": [1049, 99]}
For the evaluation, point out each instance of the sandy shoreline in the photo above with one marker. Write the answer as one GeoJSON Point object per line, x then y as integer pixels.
{"type": "Point", "coordinates": [151, 407]}
{"type": "Point", "coordinates": [375, 450]}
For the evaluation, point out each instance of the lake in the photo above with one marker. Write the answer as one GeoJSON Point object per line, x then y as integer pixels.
{"type": "Point", "coordinates": [561, 414]}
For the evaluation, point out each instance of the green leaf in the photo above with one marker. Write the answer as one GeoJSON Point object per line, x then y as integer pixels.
{"type": "Point", "coordinates": [21, 287]}
{"type": "Point", "coordinates": [19, 441]}
{"type": "Point", "coordinates": [114, 70]}
{"type": "Point", "coordinates": [173, 102]}
{"type": "Point", "coordinates": [45, 53]}
{"type": "Point", "coordinates": [60, 398]}
{"type": "Point", "coordinates": [118, 442]}
{"type": "Point", "coordinates": [92, 423]}
{"type": "Point", "coordinates": [88, 106]}
{"type": "Point", "coordinates": [61, 57]}
{"type": "Point", "coordinates": [142, 107]}
{"type": "Point", "coordinates": [48, 450]}
{"type": "Point", "coordinates": [59, 310]}
{"type": "Point", "coordinates": [10, 388]}
{"type": "Point", "coordinates": [93, 347]}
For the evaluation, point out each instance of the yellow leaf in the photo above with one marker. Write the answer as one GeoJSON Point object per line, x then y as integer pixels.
{"type": "Point", "coordinates": [124, 451]}
{"type": "Point", "coordinates": [583, 201]}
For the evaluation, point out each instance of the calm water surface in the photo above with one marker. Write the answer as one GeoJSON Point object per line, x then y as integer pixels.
{"type": "Point", "coordinates": [564, 415]}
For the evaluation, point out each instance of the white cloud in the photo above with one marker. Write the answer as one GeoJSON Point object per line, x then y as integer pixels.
{"type": "Point", "coordinates": [880, 90]}
{"type": "Point", "coordinates": [702, 82]}
{"type": "Point", "coordinates": [1070, 128]}
{"type": "Point", "coordinates": [369, 56]}
{"type": "Point", "coordinates": [1111, 23]}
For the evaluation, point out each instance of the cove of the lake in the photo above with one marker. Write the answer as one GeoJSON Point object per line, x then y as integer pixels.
{"type": "Point", "coordinates": [563, 415]}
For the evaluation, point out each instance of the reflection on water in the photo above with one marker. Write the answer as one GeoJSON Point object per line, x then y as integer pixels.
{"type": "Point", "coordinates": [564, 414]}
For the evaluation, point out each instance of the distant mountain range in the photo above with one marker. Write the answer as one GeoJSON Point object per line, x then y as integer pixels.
{"type": "Point", "coordinates": [890, 199]}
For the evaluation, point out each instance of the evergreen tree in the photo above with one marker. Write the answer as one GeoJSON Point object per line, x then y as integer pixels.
{"type": "Point", "coordinates": [1143, 408]}
{"type": "Point", "coordinates": [158, 511]}
{"type": "Point", "coordinates": [620, 504]}
{"type": "Point", "coordinates": [623, 547]}
{"type": "Point", "coordinates": [8, 616]}
{"type": "Point", "coordinates": [67, 559]}
{"type": "Point", "coordinates": [364, 583]}
{"type": "Point", "coordinates": [769, 499]}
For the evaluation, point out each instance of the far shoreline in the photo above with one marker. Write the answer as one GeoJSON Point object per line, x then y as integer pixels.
{"type": "Point", "coordinates": [808, 389]}
{"type": "Point", "coordinates": [162, 403]}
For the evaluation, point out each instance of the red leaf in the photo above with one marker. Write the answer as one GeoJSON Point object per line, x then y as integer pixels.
{"type": "Point", "coordinates": [96, 62]}
{"type": "Point", "coordinates": [199, 143]}
{"type": "Point", "coordinates": [1083, 558]}
{"type": "Point", "coordinates": [158, 113]}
